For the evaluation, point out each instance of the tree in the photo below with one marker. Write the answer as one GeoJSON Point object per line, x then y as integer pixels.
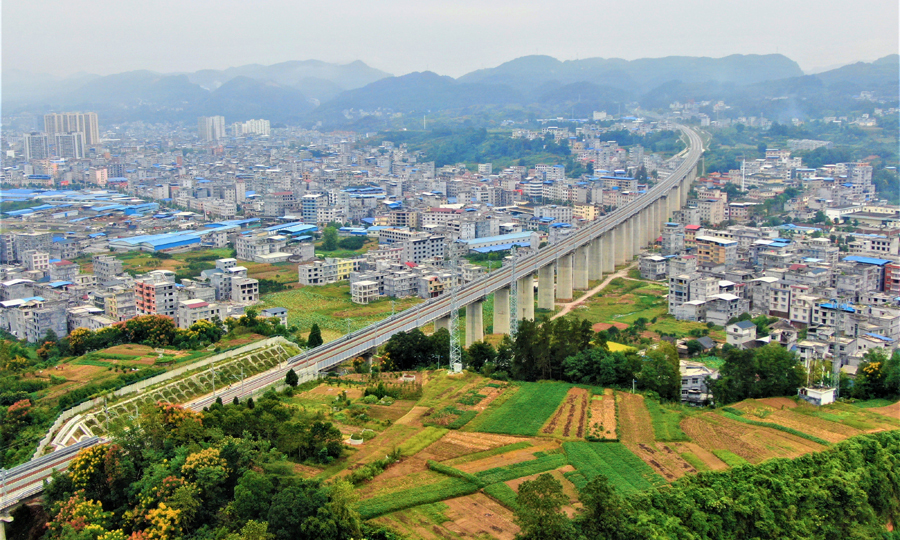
{"type": "Point", "coordinates": [408, 350]}
{"type": "Point", "coordinates": [330, 239]}
{"type": "Point", "coordinates": [694, 347]}
{"type": "Point", "coordinates": [481, 353]}
{"type": "Point", "coordinates": [315, 337]}
{"type": "Point", "coordinates": [602, 515]}
{"type": "Point", "coordinates": [539, 512]}
{"type": "Point", "coordinates": [660, 372]}
{"type": "Point", "coordinates": [291, 379]}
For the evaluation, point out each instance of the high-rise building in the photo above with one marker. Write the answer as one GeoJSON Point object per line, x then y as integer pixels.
{"type": "Point", "coordinates": [70, 122]}
{"type": "Point", "coordinates": [36, 146]}
{"type": "Point", "coordinates": [70, 145]}
{"type": "Point", "coordinates": [211, 128]}
{"type": "Point", "coordinates": [251, 127]}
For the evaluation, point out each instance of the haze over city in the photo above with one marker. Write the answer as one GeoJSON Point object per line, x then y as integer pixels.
{"type": "Point", "coordinates": [448, 38]}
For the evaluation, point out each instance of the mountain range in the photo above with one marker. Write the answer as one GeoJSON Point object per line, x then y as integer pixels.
{"type": "Point", "coordinates": [310, 91]}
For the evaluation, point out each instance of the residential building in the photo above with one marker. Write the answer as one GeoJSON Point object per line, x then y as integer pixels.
{"type": "Point", "coordinates": [714, 252]}
{"type": "Point", "coordinates": [36, 146]}
{"type": "Point", "coordinates": [155, 293]}
{"type": "Point", "coordinates": [740, 334]}
{"type": "Point", "coordinates": [653, 267]}
{"type": "Point", "coordinates": [192, 311]}
{"type": "Point", "coordinates": [211, 128]}
{"type": "Point", "coordinates": [279, 313]}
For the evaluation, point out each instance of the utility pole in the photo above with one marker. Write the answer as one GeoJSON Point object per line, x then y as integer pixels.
{"type": "Point", "coordinates": [513, 297]}
{"type": "Point", "coordinates": [455, 350]}
{"type": "Point", "coordinates": [212, 369]}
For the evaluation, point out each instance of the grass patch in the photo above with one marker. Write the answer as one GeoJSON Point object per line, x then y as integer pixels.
{"type": "Point", "coordinates": [526, 411]}
{"type": "Point", "coordinates": [695, 462]}
{"type": "Point", "coordinates": [731, 459]}
{"type": "Point", "coordinates": [503, 494]}
{"type": "Point", "coordinates": [421, 440]}
{"type": "Point", "coordinates": [779, 427]}
{"type": "Point", "coordinates": [624, 470]}
{"type": "Point", "coordinates": [432, 493]}
{"type": "Point", "coordinates": [468, 458]}
{"type": "Point", "coordinates": [525, 468]}
{"type": "Point", "coordinates": [873, 403]}
{"type": "Point", "coordinates": [462, 419]}
{"type": "Point", "coordinates": [618, 347]}
{"type": "Point", "coordinates": [447, 470]}
{"type": "Point", "coordinates": [666, 422]}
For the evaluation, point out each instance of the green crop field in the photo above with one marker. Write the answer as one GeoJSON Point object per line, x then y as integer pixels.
{"type": "Point", "coordinates": [665, 422]}
{"type": "Point", "coordinates": [502, 494]}
{"type": "Point", "coordinates": [445, 489]}
{"type": "Point", "coordinates": [731, 459]}
{"type": "Point", "coordinates": [625, 471]}
{"type": "Point", "coordinates": [543, 463]}
{"type": "Point", "coordinates": [526, 411]}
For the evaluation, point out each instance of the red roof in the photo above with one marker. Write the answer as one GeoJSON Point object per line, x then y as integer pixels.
{"type": "Point", "coordinates": [411, 264]}
{"type": "Point", "coordinates": [692, 227]}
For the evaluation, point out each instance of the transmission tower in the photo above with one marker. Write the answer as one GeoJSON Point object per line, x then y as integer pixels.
{"type": "Point", "coordinates": [513, 297]}
{"type": "Point", "coordinates": [455, 350]}
{"type": "Point", "coordinates": [836, 357]}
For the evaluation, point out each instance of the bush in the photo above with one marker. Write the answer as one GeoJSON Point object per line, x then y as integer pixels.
{"type": "Point", "coordinates": [352, 243]}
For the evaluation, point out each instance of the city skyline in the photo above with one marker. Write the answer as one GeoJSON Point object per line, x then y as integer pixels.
{"type": "Point", "coordinates": [449, 40]}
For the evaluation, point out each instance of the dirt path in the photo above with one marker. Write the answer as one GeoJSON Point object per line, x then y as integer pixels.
{"type": "Point", "coordinates": [623, 273]}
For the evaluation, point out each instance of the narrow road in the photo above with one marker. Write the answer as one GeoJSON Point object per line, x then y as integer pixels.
{"type": "Point", "coordinates": [623, 273]}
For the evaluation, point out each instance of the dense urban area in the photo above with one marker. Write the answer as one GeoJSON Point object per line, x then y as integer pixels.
{"type": "Point", "coordinates": [723, 365]}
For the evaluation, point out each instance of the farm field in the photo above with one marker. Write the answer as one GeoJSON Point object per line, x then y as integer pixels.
{"type": "Point", "coordinates": [461, 481]}
{"type": "Point", "coordinates": [526, 411]}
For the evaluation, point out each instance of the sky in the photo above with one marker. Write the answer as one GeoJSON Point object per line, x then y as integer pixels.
{"type": "Point", "coordinates": [450, 37]}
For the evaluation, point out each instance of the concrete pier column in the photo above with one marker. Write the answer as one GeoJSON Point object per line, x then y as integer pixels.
{"type": "Point", "coordinates": [609, 251]}
{"type": "Point", "coordinates": [646, 227]}
{"type": "Point", "coordinates": [580, 268]}
{"type": "Point", "coordinates": [625, 239]}
{"type": "Point", "coordinates": [564, 277]}
{"type": "Point", "coordinates": [501, 311]}
{"type": "Point", "coordinates": [525, 298]}
{"type": "Point", "coordinates": [595, 259]}
{"type": "Point", "coordinates": [442, 322]}
{"type": "Point", "coordinates": [474, 323]}
{"type": "Point", "coordinates": [545, 287]}
{"type": "Point", "coordinates": [618, 246]}
{"type": "Point", "coordinates": [637, 235]}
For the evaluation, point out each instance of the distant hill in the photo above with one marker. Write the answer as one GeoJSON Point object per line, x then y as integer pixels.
{"type": "Point", "coordinates": [418, 92]}
{"type": "Point", "coordinates": [637, 75]}
{"type": "Point", "coordinates": [355, 95]}
{"type": "Point", "coordinates": [318, 80]}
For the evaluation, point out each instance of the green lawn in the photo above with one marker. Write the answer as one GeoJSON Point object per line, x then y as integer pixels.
{"type": "Point", "coordinates": [330, 307]}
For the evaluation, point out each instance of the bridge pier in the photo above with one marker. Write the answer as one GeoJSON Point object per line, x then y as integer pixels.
{"type": "Point", "coordinates": [580, 268]}
{"type": "Point", "coordinates": [619, 244]}
{"type": "Point", "coordinates": [608, 248]}
{"type": "Point", "coordinates": [545, 287]}
{"type": "Point", "coordinates": [632, 239]}
{"type": "Point", "coordinates": [474, 322]}
{"type": "Point", "coordinates": [526, 298]}
{"type": "Point", "coordinates": [564, 277]}
{"type": "Point", "coordinates": [442, 322]}
{"type": "Point", "coordinates": [595, 259]}
{"type": "Point", "coordinates": [501, 311]}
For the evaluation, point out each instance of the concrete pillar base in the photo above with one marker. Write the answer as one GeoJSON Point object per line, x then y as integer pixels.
{"type": "Point", "coordinates": [474, 323]}
{"type": "Point", "coordinates": [501, 311]}
{"type": "Point", "coordinates": [442, 322]}
{"type": "Point", "coordinates": [580, 268]}
{"type": "Point", "coordinates": [564, 278]}
{"type": "Point", "coordinates": [545, 287]}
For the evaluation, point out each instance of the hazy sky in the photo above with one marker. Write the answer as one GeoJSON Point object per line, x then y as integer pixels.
{"type": "Point", "coordinates": [451, 37]}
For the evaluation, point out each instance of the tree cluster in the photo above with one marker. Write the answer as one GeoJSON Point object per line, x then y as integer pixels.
{"type": "Point", "coordinates": [757, 373]}
{"type": "Point", "coordinates": [813, 496]}
{"type": "Point", "coordinates": [175, 473]}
